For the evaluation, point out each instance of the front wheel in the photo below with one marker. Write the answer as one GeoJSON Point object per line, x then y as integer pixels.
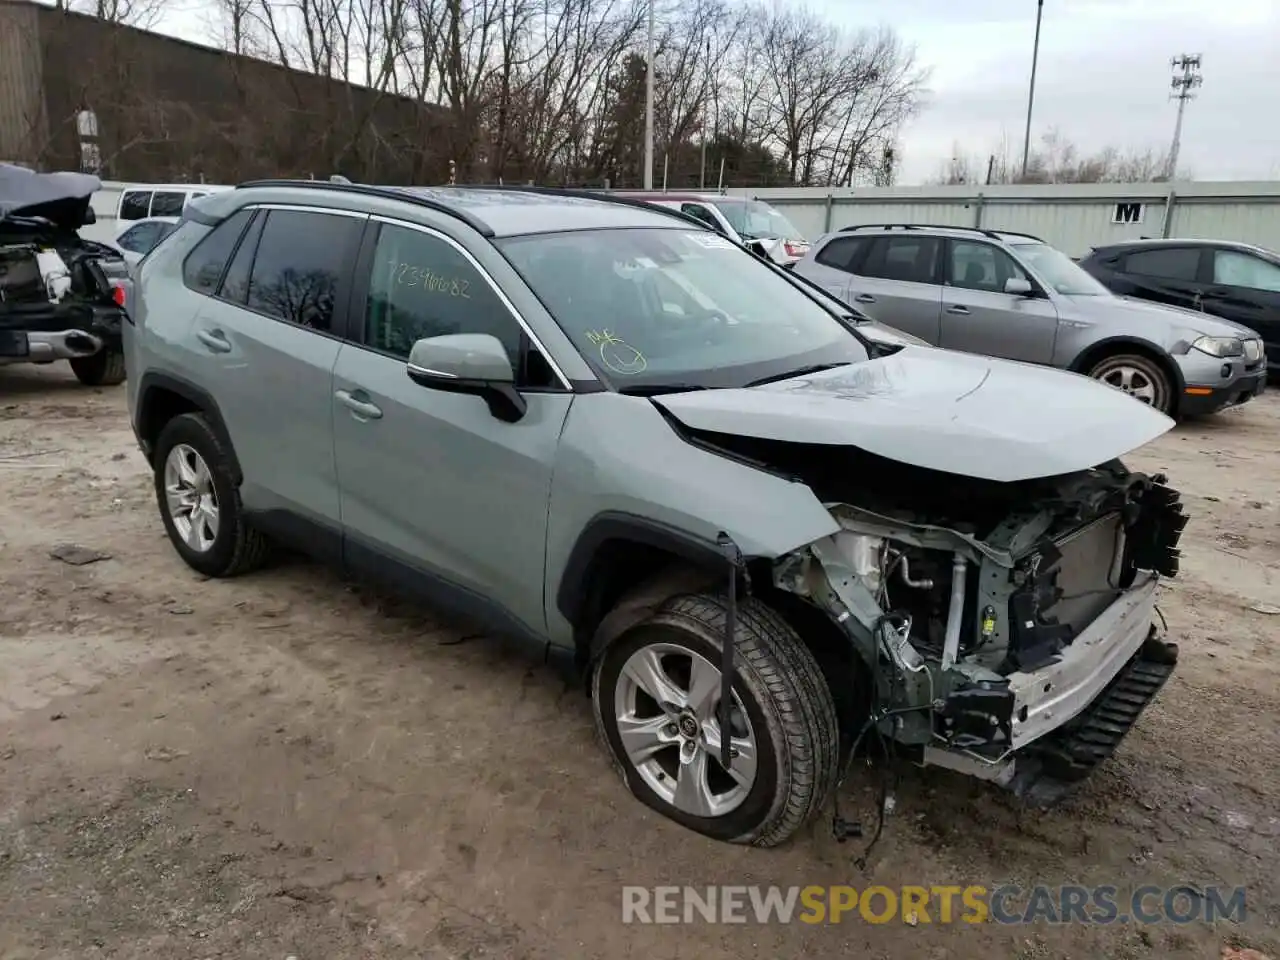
{"type": "Point", "coordinates": [1137, 375]}
{"type": "Point", "coordinates": [656, 693]}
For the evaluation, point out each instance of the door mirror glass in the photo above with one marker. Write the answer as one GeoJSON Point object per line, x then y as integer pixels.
{"type": "Point", "coordinates": [474, 363]}
{"type": "Point", "coordinates": [1018, 287]}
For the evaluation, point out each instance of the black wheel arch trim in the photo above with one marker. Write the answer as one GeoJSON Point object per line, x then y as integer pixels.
{"type": "Point", "coordinates": [572, 593]}
{"type": "Point", "coordinates": [1117, 344]}
{"type": "Point", "coordinates": [152, 382]}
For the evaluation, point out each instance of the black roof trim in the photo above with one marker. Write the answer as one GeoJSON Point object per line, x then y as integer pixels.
{"type": "Point", "coordinates": [403, 194]}
{"type": "Point", "coordinates": [993, 234]}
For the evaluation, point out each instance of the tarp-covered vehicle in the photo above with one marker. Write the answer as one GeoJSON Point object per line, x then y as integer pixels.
{"type": "Point", "coordinates": [60, 295]}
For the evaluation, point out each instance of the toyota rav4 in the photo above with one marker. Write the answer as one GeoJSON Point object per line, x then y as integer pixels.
{"type": "Point", "coordinates": [757, 534]}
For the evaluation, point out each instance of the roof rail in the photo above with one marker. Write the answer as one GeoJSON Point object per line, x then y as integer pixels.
{"type": "Point", "coordinates": [403, 194]}
{"type": "Point", "coordinates": [993, 234]}
{"type": "Point", "coordinates": [606, 196]}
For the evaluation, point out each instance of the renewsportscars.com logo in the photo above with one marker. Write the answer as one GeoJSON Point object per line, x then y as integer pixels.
{"type": "Point", "coordinates": [1005, 904]}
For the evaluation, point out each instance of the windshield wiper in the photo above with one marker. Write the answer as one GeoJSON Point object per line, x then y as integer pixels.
{"type": "Point", "coordinates": [657, 389]}
{"type": "Point", "coordinates": [798, 372]}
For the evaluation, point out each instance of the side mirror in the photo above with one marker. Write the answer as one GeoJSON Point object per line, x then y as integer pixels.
{"type": "Point", "coordinates": [90, 217]}
{"type": "Point", "coordinates": [474, 363]}
{"type": "Point", "coordinates": [1018, 287]}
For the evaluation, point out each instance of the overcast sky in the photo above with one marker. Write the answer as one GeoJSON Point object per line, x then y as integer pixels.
{"type": "Point", "coordinates": [1102, 80]}
{"type": "Point", "coordinates": [1103, 77]}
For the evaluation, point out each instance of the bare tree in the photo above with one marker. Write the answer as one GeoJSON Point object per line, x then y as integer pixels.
{"type": "Point", "coordinates": [1056, 160]}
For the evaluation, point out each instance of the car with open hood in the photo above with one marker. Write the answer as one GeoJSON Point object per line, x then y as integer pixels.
{"type": "Point", "coordinates": [1007, 294]}
{"type": "Point", "coordinates": [756, 535]}
{"type": "Point", "coordinates": [61, 296]}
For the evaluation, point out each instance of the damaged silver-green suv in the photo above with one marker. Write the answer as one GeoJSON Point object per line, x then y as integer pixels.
{"type": "Point", "coordinates": [757, 527]}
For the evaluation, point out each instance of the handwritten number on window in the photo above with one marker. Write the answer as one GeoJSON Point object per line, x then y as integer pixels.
{"type": "Point", "coordinates": [406, 274]}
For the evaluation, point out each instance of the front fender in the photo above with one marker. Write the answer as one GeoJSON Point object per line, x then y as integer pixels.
{"type": "Point", "coordinates": [621, 462]}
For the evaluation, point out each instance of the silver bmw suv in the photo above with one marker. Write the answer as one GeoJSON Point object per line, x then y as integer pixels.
{"type": "Point", "coordinates": [1012, 295]}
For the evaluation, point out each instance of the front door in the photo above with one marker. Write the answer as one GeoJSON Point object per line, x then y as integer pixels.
{"type": "Point", "coordinates": [1246, 289]}
{"type": "Point", "coordinates": [437, 494]}
{"type": "Point", "coordinates": [979, 317]}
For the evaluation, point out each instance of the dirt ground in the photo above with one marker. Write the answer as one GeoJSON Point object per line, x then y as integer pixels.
{"type": "Point", "coordinates": [286, 766]}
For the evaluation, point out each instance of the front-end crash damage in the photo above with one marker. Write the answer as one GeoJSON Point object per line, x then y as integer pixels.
{"type": "Point", "coordinates": [1007, 627]}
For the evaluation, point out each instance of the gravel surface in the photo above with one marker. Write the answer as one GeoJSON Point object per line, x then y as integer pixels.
{"type": "Point", "coordinates": [287, 765]}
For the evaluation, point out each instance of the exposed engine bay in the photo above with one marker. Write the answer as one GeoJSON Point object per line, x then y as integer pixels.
{"type": "Point", "coordinates": [993, 617]}
{"type": "Point", "coordinates": [57, 295]}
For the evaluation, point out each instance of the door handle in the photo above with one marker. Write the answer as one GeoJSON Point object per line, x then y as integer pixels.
{"type": "Point", "coordinates": [215, 340]}
{"type": "Point", "coordinates": [864, 298]}
{"type": "Point", "coordinates": [363, 409]}
{"type": "Point", "coordinates": [956, 308]}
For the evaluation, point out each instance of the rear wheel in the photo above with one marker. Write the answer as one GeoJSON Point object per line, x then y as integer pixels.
{"type": "Point", "coordinates": [200, 503]}
{"type": "Point", "coordinates": [656, 694]}
{"type": "Point", "coordinates": [103, 369]}
{"type": "Point", "coordinates": [1137, 375]}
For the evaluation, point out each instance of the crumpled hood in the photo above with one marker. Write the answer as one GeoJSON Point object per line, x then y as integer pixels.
{"type": "Point", "coordinates": [61, 198]}
{"type": "Point", "coordinates": [1175, 321]}
{"type": "Point", "coordinates": [955, 412]}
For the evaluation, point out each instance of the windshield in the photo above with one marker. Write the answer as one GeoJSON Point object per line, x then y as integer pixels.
{"type": "Point", "coordinates": [653, 308]}
{"type": "Point", "coordinates": [756, 220]}
{"type": "Point", "coordinates": [1060, 271]}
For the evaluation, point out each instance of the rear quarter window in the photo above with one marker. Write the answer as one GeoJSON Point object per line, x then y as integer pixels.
{"type": "Point", "coordinates": [204, 265]}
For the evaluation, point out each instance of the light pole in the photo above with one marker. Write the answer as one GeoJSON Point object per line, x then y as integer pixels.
{"type": "Point", "coordinates": [1031, 94]}
{"type": "Point", "coordinates": [648, 105]}
{"type": "Point", "coordinates": [1186, 78]}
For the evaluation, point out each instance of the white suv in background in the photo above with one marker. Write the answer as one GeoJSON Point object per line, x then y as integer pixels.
{"type": "Point", "coordinates": [741, 219]}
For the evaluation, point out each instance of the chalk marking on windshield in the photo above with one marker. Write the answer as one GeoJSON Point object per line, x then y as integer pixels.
{"type": "Point", "coordinates": [711, 241]}
{"type": "Point", "coordinates": [616, 354]}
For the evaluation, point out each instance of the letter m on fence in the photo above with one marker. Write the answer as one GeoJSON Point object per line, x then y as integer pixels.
{"type": "Point", "coordinates": [1127, 213]}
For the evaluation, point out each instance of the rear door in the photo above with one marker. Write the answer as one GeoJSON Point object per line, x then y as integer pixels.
{"type": "Point", "coordinates": [269, 339]}
{"type": "Point", "coordinates": [897, 282]}
{"type": "Point", "coordinates": [1169, 275]}
{"type": "Point", "coordinates": [1246, 288]}
{"type": "Point", "coordinates": [833, 265]}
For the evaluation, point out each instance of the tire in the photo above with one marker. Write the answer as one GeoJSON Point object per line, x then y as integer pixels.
{"type": "Point", "coordinates": [227, 546]}
{"type": "Point", "coordinates": [1146, 380]}
{"type": "Point", "coordinates": [104, 369]}
{"type": "Point", "coordinates": [790, 720]}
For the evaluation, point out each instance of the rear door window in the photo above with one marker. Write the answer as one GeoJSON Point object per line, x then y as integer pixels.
{"type": "Point", "coordinates": [205, 264]}
{"type": "Point", "coordinates": [842, 253]}
{"type": "Point", "coordinates": [141, 238]}
{"type": "Point", "coordinates": [1168, 263]}
{"type": "Point", "coordinates": [303, 260]}
{"type": "Point", "coordinates": [913, 259]}
{"type": "Point", "coordinates": [135, 204]}
{"type": "Point", "coordinates": [166, 203]}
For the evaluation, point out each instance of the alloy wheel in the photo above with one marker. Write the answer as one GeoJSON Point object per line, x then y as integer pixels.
{"type": "Point", "coordinates": [190, 498]}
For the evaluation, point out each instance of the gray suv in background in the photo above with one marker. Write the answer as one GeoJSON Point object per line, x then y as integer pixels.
{"type": "Point", "coordinates": [1011, 295]}
{"type": "Point", "coordinates": [757, 536]}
